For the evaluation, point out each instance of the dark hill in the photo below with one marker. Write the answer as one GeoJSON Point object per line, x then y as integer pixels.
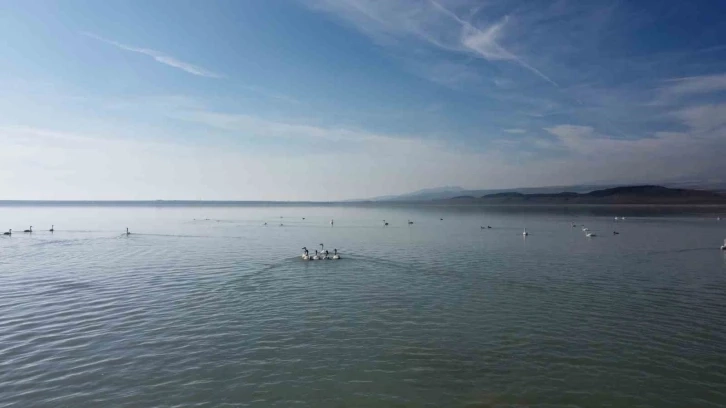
{"type": "Point", "coordinates": [646, 194]}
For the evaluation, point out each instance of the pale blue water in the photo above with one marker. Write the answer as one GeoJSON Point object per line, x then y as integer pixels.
{"type": "Point", "coordinates": [223, 312]}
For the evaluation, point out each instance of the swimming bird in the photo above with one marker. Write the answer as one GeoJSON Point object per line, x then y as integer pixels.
{"type": "Point", "coordinates": [336, 256]}
{"type": "Point", "coordinates": [316, 257]}
{"type": "Point", "coordinates": [590, 235]}
{"type": "Point", "coordinates": [264, 224]}
{"type": "Point", "coordinates": [525, 233]}
{"type": "Point", "coordinates": [331, 222]}
{"type": "Point", "coordinates": [585, 229]}
{"type": "Point", "coordinates": [410, 222]}
{"type": "Point", "coordinates": [303, 218]}
{"type": "Point", "coordinates": [127, 231]}
{"type": "Point", "coordinates": [29, 230]}
{"type": "Point", "coordinates": [281, 225]}
{"type": "Point", "coordinates": [305, 255]}
{"type": "Point", "coordinates": [305, 250]}
{"type": "Point", "coordinates": [616, 218]}
{"type": "Point", "coordinates": [441, 219]}
{"type": "Point", "coordinates": [52, 228]}
{"type": "Point", "coordinates": [616, 233]}
{"type": "Point", "coordinates": [10, 232]}
{"type": "Point", "coordinates": [326, 254]}
{"type": "Point", "coordinates": [723, 247]}
{"type": "Point", "coordinates": [385, 223]}
{"type": "Point", "coordinates": [573, 225]}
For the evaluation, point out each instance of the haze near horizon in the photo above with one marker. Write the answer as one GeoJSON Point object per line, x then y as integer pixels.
{"type": "Point", "coordinates": [343, 99]}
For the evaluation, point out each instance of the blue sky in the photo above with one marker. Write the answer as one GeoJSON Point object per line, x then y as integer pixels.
{"type": "Point", "coordinates": [336, 99]}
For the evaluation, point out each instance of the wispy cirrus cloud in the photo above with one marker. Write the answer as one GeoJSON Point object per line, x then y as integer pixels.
{"type": "Point", "coordinates": [160, 57]}
{"type": "Point", "coordinates": [675, 89]}
{"type": "Point", "coordinates": [432, 23]}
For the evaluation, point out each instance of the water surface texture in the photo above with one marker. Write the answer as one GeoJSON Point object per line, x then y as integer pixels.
{"type": "Point", "coordinates": [208, 307]}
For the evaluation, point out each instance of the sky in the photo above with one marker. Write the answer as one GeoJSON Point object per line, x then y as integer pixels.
{"type": "Point", "coordinates": [340, 99]}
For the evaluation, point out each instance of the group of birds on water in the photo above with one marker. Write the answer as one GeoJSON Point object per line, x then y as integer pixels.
{"type": "Point", "coordinates": [324, 254]}
{"type": "Point", "coordinates": [29, 230]}
{"type": "Point", "coordinates": [52, 229]}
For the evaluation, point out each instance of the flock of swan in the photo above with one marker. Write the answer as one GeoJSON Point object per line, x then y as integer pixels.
{"type": "Point", "coordinates": [324, 254]}
{"type": "Point", "coordinates": [29, 230]}
{"type": "Point", "coordinates": [52, 229]}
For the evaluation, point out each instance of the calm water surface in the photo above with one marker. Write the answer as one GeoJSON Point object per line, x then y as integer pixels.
{"type": "Point", "coordinates": [221, 311]}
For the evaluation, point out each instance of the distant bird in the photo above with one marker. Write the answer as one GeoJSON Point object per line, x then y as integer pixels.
{"type": "Point", "coordinates": [481, 227]}
{"type": "Point", "coordinates": [585, 229]}
{"type": "Point", "coordinates": [718, 218]}
{"type": "Point", "coordinates": [265, 224]}
{"type": "Point", "coordinates": [52, 228]}
{"type": "Point", "coordinates": [305, 255]}
{"type": "Point", "coordinates": [590, 235]}
{"type": "Point", "coordinates": [410, 222]}
{"type": "Point", "coordinates": [322, 248]}
{"type": "Point", "coordinates": [616, 218]}
{"type": "Point", "coordinates": [385, 224]}
{"type": "Point", "coordinates": [10, 232]}
{"type": "Point", "coordinates": [303, 218]}
{"type": "Point", "coordinates": [441, 219]}
{"type": "Point", "coordinates": [331, 222]}
{"type": "Point", "coordinates": [316, 257]}
{"type": "Point", "coordinates": [616, 233]}
{"type": "Point", "coordinates": [723, 247]}
{"type": "Point", "coordinates": [336, 256]}
{"type": "Point", "coordinates": [525, 233]}
{"type": "Point", "coordinates": [489, 227]}
{"type": "Point", "coordinates": [573, 225]}
{"type": "Point", "coordinates": [281, 225]}
{"type": "Point", "coordinates": [29, 230]}
{"type": "Point", "coordinates": [127, 231]}
{"type": "Point", "coordinates": [622, 218]}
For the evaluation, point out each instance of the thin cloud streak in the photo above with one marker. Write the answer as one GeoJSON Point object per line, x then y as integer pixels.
{"type": "Point", "coordinates": [430, 22]}
{"type": "Point", "coordinates": [159, 57]}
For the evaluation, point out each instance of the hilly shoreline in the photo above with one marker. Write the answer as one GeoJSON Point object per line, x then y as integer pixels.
{"type": "Point", "coordinates": [628, 195]}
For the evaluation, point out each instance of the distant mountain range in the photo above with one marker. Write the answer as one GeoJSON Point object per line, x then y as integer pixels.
{"type": "Point", "coordinates": [646, 194]}
{"type": "Point", "coordinates": [448, 192]}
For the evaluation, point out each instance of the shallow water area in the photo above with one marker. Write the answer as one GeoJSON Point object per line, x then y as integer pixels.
{"type": "Point", "coordinates": [207, 306]}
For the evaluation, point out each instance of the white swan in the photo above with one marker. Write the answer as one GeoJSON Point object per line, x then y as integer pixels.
{"type": "Point", "coordinates": [305, 253]}
{"type": "Point", "coordinates": [10, 232]}
{"type": "Point", "coordinates": [336, 256]}
{"type": "Point", "coordinates": [723, 247]}
{"type": "Point", "coordinates": [316, 257]}
{"type": "Point", "coordinates": [590, 235]}
{"type": "Point", "coordinates": [585, 229]}
{"type": "Point", "coordinates": [616, 218]}
{"type": "Point", "coordinates": [525, 233]}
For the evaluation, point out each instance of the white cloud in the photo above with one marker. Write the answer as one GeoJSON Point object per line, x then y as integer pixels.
{"type": "Point", "coordinates": [515, 131]}
{"type": "Point", "coordinates": [695, 85]}
{"type": "Point", "coordinates": [160, 57]}
{"type": "Point", "coordinates": [430, 22]}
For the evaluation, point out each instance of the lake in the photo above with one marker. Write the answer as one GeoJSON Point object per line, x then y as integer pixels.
{"type": "Point", "coordinates": [208, 307]}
